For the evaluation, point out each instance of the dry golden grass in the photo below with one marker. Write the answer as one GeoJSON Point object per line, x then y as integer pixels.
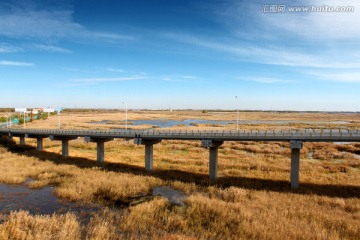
{"type": "Point", "coordinates": [82, 120]}
{"type": "Point", "coordinates": [251, 199]}
{"type": "Point", "coordinates": [21, 225]}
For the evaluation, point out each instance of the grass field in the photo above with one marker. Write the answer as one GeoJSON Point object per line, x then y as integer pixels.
{"type": "Point", "coordinates": [251, 199]}
{"type": "Point", "coordinates": [84, 120]}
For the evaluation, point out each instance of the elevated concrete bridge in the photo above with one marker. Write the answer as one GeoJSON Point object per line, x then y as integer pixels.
{"type": "Point", "coordinates": [209, 139]}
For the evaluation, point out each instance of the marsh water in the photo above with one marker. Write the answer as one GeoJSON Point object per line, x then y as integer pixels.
{"type": "Point", "coordinates": [37, 201]}
{"type": "Point", "coordinates": [164, 123]}
{"type": "Point", "coordinates": [43, 201]}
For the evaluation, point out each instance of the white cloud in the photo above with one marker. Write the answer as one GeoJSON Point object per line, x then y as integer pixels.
{"type": "Point", "coordinates": [43, 24]}
{"type": "Point", "coordinates": [51, 48]}
{"type": "Point", "coordinates": [119, 70]}
{"type": "Point", "coordinates": [247, 20]}
{"type": "Point", "coordinates": [317, 25]}
{"type": "Point", "coordinates": [74, 69]}
{"type": "Point", "coordinates": [91, 81]}
{"type": "Point", "coordinates": [266, 80]}
{"type": "Point", "coordinates": [313, 40]}
{"type": "Point", "coordinates": [275, 55]}
{"type": "Point", "coordinates": [176, 78]}
{"type": "Point", "coordinates": [336, 76]}
{"type": "Point", "coordinates": [189, 77]}
{"type": "Point", "coordinates": [112, 36]}
{"type": "Point", "coordinates": [17, 64]}
{"type": "Point", "coordinates": [31, 22]}
{"type": "Point", "coordinates": [5, 48]}
{"type": "Point", "coordinates": [134, 77]}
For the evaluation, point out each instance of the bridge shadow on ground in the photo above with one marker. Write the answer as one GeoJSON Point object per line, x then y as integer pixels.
{"type": "Point", "coordinates": [341, 191]}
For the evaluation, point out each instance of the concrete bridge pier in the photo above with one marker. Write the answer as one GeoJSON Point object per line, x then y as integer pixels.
{"type": "Point", "coordinates": [149, 150]}
{"type": "Point", "coordinates": [295, 163]}
{"type": "Point", "coordinates": [100, 147]}
{"type": "Point", "coordinates": [39, 140]}
{"type": "Point", "coordinates": [64, 144]}
{"type": "Point", "coordinates": [149, 146]}
{"type": "Point", "coordinates": [22, 140]}
{"type": "Point", "coordinates": [213, 156]}
{"type": "Point", "coordinates": [65, 148]}
{"type": "Point", "coordinates": [40, 144]}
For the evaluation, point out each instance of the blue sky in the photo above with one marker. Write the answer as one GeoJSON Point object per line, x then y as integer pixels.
{"type": "Point", "coordinates": [179, 54]}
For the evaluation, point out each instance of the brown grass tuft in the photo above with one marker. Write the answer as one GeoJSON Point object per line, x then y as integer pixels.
{"type": "Point", "coordinates": [250, 200]}
{"type": "Point", "coordinates": [22, 225]}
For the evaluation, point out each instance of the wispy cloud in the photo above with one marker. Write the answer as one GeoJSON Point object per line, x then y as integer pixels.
{"type": "Point", "coordinates": [16, 64]}
{"type": "Point", "coordinates": [74, 69]}
{"type": "Point", "coordinates": [93, 81]}
{"type": "Point", "coordinates": [188, 77]}
{"type": "Point", "coordinates": [302, 40]}
{"type": "Point", "coordinates": [31, 21]}
{"type": "Point", "coordinates": [176, 78]}
{"type": "Point", "coordinates": [330, 26]}
{"type": "Point", "coordinates": [265, 80]}
{"type": "Point", "coordinates": [111, 37]}
{"type": "Point", "coordinates": [274, 55]}
{"type": "Point", "coordinates": [126, 77]}
{"type": "Point", "coordinates": [247, 20]}
{"type": "Point", "coordinates": [5, 48]}
{"type": "Point", "coordinates": [51, 48]}
{"type": "Point", "coordinates": [167, 78]}
{"type": "Point", "coordinates": [336, 76]}
{"type": "Point", "coordinates": [25, 46]}
{"type": "Point", "coordinates": [39, 24]}
{"type": "Point", "coordinates": [118, 70]}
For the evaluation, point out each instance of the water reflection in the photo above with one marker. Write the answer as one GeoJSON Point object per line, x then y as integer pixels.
{"type": "Point", "coordinates": [39, 201]}
{"type": "Point", "coordinates": [164, 123]}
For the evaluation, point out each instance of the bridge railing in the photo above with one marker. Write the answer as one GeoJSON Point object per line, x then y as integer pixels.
{"type": "Point", "coordinates": [308, 133]}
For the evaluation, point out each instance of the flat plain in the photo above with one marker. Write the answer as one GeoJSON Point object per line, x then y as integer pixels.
{"type": "Point", "coordinates": [251, 199]}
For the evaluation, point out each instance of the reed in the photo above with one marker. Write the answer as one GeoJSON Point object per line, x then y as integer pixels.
{"type": "Point", "coordinates": [250, 200]}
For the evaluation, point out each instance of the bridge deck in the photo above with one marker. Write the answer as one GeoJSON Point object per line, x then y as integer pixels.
{"type": "Point", "coordinates": [314, 135]}
{"type": "Point", "coordinates": [210, 139]}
